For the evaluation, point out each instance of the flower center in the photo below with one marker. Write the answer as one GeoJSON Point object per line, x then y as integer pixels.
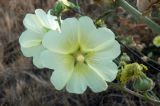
{"type": "Point", "coordinates": [80, 58]}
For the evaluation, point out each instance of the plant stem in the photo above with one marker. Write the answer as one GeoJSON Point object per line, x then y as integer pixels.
{"type": "Point", "coordinates": [154, 26]}
{"type": "Point", "coordinates": [125, 89]}
{"type": "Point", "coordinates": [77, 4]}
{"type": "Point", "coordinates": [59, 20]}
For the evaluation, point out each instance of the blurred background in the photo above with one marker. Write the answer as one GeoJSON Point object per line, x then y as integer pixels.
{"type": "Point", "coordinates": [22, 84]}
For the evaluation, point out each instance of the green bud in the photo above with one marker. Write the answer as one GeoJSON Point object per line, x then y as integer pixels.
{"type": "Point", "coordinates": [58, 8]}
{"type": "Point", "coordinates": [72, 5]}
{"type": "Point", "coordinates": [100, 23]}
{"type": "Point", "coordinates": [68, 3]}
{"type": "Point", "coordinates": [156, 41]}
{"type": "Point", "coordinates": [63, 6]}
{"type": "Point", "coordinates": [143, 83]}
{"type": "Point", "coordinates": [131, 72]}
{"type": "Point", "coordinates": [125, 57]}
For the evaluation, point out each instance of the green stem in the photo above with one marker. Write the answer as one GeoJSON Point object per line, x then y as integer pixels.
{"type": "Point", "coordinates": [154, 26]}
{"type": "Point", "coordinates": [124, 89]}
{"type": "Point", "coordinates": [77, 4]}
{"type": "Point", "coordinates": [59, 20]}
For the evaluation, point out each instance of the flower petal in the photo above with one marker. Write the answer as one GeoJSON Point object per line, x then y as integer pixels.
{"type": "Point", "coordinates": [107, 69]}
{"type": "Point", "coordinates": [86, 25]}
{"type": "Point", "coordinates": [77, 83]}
{"type": "Point", "coordinates": [62, 64]}
{"type": "Point", "coordinates": [41, 14]}
{"type": "Point", "coordinates": [52, 22]}
{"type": "Point", "coordinates": [94, 81]}
{"type": "Point", "coordinates": [97, 39]}
{"type": "Point", "coordinates": [89, 77]}
{"type": "Point", "coordinates": [29, 39]}
{"type": "Point", "coordinates": [60, 78]}
{"type": "Point", "coordinates": [110, 52]}
{"type": "Point", "coordinates": [33, 23]}
{"type": "Point", "coordinates": [32, 51]}
{"type": "Point", "coordinates": [65, 42]}
{"type": "Point", "coordinates": [37, 61]}
{"type": "Point", "coordinates": [47, 20]}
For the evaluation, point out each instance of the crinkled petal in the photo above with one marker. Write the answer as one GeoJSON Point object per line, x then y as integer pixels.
{"type": "Point", "coordinates": [107, 69]}
{"type": "Point", "coordinates": [62, 64]}
{"type": "Point", "coordinates": [29, 39]}
{"type": "Point", "coordinates": [77, 83]}
{"type": "Point", "coordinates": [32, 51]}
{"type": "Point", "coordinates": [41, 14]}
{"type": "Point", "coordinates": [98, 39]}
{"type": "Point", "coordinates": [32, 22]}
{"type": "Point", "coordinates": [65, 42]}
{"type": "Point", "coordinates": [47, 20]}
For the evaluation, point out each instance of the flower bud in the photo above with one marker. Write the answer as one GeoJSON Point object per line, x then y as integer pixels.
{"type": "Point", "coordinates": [125, 57]}
{"type": "Point", "coordinates": [143, 83]}
{"type": "Point", "coordinates": [100, 23]}
{"type": "Point", "coordinates": [156, 41]}
{"type": "Point", "coordinates": [62, 6]}
{"type": "Point", "coordinates": [58, 8]}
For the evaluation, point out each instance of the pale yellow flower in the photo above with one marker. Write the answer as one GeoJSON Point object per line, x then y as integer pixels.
{"type": "Point", "coordinates": [37, 25]}
{"type": "Point", "coordinates": [81, 55]}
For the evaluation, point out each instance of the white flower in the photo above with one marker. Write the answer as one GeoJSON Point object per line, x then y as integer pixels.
{"type": "Point", "coordinates": [37, 25]}
{"type": "Point", "coordinates": [81, 55]}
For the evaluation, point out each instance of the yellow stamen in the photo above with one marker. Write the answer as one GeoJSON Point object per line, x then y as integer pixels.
{"type": "Point", "coordinates": [80, 58]}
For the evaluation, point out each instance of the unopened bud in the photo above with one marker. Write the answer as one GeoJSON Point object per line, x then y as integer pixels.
{"type": "Point", "coordinates": [125, 57]}
{"type": "Point", "coordinates": [156, 41]}
{"type": "Point", "coordinates": [143, 83]}
{"type": "Point", "coordinates": [58, 8]}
